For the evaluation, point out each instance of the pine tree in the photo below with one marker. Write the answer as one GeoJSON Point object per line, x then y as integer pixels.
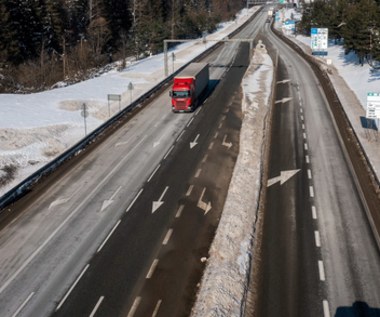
{"type": "Point", "coordinates": [357, 32]}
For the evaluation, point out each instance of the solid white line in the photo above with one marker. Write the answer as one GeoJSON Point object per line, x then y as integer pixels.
{"type": "Point", "coordinates": [211, 145]}
{"type": "Point", "coordinates": [317, 239]}
{"type": "Point", "coordinates": [321, 271]}
{"type": "Point", "coordinates": [191, 120]}
{"type": "Point", "coordinates": [157, 308]}
{"type": "Point", "coordinates": [307, 159]}
{"type": "Point", "coordinates": [154, 172]}
{"type": "Point", "coordinates": [309, 174]}
{"type": "Point", "coordinates": [326, 308]}
{"type": "Point", "coordinates": [72, 287]}
{"type": "Point", "coordinates": [188, 193]}
{"type": "Point", "coordinates": [96, 306]}
{"type": "Point", "coordinates": [168, 152]}
{"type": "Point", "coordinates": [109, 235]}
{"type": "Point", "coordinates": [305, 146]}
{"type": "Point", "coordinates": [198, 173]}
{"type": "Point", "coordinates": [23, 304]}
{"type": "Point", "coordinates": [167, 237]}
{"type": "Point", "coordinates": [134, 307]}
{"type": "Point", "coordinates": [314, 212]}
{"type": "Point", "coordinates": [180, 135]}
{"type": "Point", "coordinates": [152, 268]}
{"type": "Point", "coordinates": [311, 191]}
{"type": "Point", "coordinates": [134, 200]}
{"type": "Point", "coordinates": [179, 211]}
{"type": "Point", "coordinates": [205, 158]}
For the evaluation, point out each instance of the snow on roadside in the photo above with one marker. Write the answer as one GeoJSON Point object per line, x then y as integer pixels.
{"type": "Point", "coordinates": [224, 284]}
{"type": "Point", "coordinates": [35, 128]}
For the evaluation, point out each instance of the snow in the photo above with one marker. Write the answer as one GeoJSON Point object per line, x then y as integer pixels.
{"type": "Point", "coordinates": [35, 128]}
{"type": "Point", "coordinates": [352, 81]}
{"type": "Point", "coordinates": [225, 279]}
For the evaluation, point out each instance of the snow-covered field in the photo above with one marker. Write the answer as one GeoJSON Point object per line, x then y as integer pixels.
{"type": "Point", "coordinates": [35, 128]}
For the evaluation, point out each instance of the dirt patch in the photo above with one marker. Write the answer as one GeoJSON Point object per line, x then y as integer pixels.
{"type": "Point", "coordinates": [7, 174]}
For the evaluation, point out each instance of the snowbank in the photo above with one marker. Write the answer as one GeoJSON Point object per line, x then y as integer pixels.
{"type": "Point", "coordinates": [35, 128]}
{"type": "Point", "coordinates": [224, 284]}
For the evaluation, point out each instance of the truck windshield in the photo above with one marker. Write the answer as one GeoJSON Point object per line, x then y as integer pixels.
{"type": "Point", "coordinates": [181, 94]}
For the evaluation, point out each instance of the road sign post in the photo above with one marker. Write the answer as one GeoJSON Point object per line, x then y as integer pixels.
{"type": "Point", "coordinates": [319, 41]}
{"type": "Point", "coordinates": [113, 98]}
{"type": "Point", "coordinates": [130, 88]}
{"type": "Point", "coordinates": [373, 110]}
{"type": "Point", "coordinates": [84, 114]}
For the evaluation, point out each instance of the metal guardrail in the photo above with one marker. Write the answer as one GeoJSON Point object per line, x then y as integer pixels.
{"type": "Point", "coordinates": [372, 181]}
{"type": "Point", "coordinates": [20, 190]}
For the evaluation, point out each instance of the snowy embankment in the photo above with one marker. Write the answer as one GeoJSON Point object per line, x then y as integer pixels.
{"type": "Point", "coordinates": [225, 280]}
{"type": "Point", "coordinates": [352, 81]}
{"type": "Point", "coordinates": [36, 128]}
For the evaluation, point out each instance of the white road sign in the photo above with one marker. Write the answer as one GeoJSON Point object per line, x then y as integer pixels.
{"type": "Point", "coordinates": [319, 41]}
{"type": "Point", "coordinates": [373, 105]}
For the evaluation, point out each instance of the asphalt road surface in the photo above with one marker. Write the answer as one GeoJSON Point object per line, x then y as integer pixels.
{"type": "Point", "coordinates": [122, 229]}
{"type": "Point", "coordinates": [318, 255]}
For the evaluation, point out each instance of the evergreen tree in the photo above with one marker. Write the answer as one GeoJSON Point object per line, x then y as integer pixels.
{"type": "Point", "coordinates": [362, 19]}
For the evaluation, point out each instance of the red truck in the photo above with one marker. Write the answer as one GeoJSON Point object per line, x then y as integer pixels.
{"type": "Point", "coordinates": [188, 87]}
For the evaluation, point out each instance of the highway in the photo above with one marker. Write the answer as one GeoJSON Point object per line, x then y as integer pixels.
{"type": "Point", "coordinates": [123, 230]}
{"type": "Point", "coordinates": [133, 215]}
{"type": "Point", "coordinates": [318, 256]}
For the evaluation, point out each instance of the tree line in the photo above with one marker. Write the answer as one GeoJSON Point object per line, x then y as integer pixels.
{"type": "Point", "coordinates": [45, 41]}
{"type": "Point", "coordinates": [356, 23]}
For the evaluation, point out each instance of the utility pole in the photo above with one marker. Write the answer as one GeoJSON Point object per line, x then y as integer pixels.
{"type": "Point", "coordinates": [90, 7]}
{"type": "Point", "coordinates": [173, 20]}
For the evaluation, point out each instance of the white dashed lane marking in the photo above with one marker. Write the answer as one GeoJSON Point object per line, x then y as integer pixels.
{"type": "Point", "coordinates": [321, 271]}
{"type": "Point", "coordinates": [317, 239]}
{"type": "Point", "coordinates": [311, 189]}
{"type": "Point", "coordinates": [179, 211]}
{"type": "Point", "coordinates": [152, 269]}
{"type": "Point", "coordinates": [167, 237]}
{"type": "Point", "coordinates": [314, 212]}
{"type": "Point", "coordinates": [134, 307]}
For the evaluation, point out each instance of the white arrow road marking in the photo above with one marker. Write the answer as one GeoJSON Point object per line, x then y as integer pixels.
{"type": "Point", "coordinates": [201, 204]}
{"type": "Point", "coordinates": [224, 143]}
{"type": "Point", "coordinates": [108, 202]}
{"type": "Point", "coordinates": [283, 100]}
{"type": "Point", "coordinates": [194, 143]}
{"type": "Point", "coordinates": [284, 177]}
{"type": "Point", "coordinates": [157, 204]}
{"type": "Point", "coordinates": [59, 201]}
{"type": "Point", "coordinates": [283, 81]}
{"type": "Point", "coordinates": [157, 142]}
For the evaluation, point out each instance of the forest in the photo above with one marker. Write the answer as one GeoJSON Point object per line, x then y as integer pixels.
{"type": "Point", "coordinates": [43, 42]}
{"type": "Point", "coordinates": [354, 23]}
